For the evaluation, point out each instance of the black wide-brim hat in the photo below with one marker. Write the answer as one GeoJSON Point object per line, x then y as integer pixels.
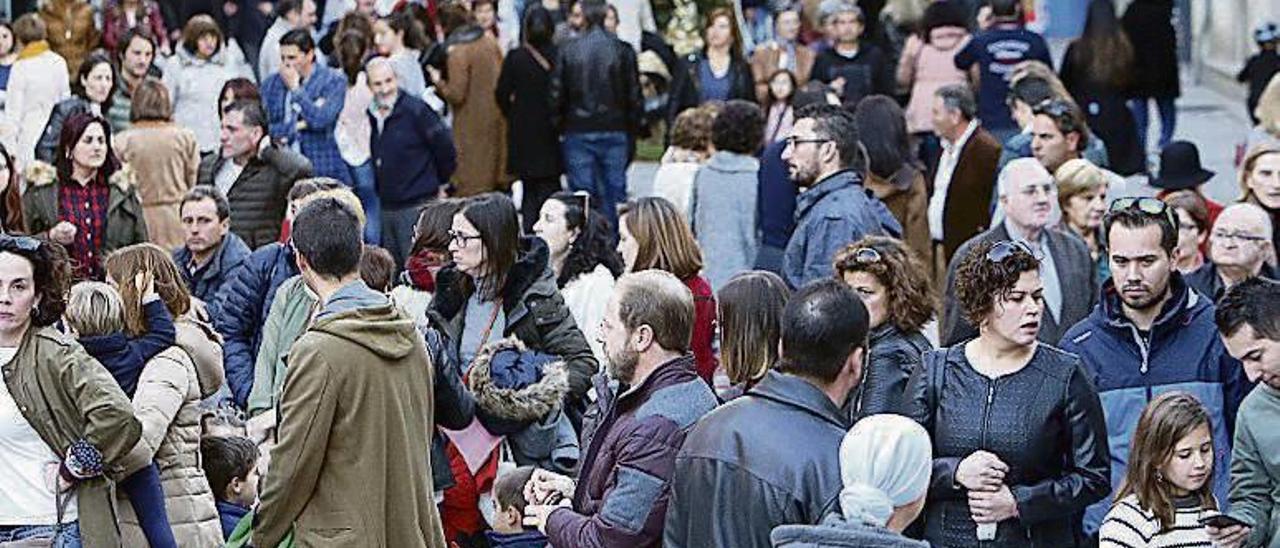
{"type": "Point", "coordinates": [1180, 167]}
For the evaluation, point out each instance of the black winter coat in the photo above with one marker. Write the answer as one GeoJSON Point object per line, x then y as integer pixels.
{"type": "Point", "coordinates": [535, 311]}
{"type": "Point", "coordinates": [47, 146]}
{"type": "Point", "coordinates": [894, 356]}
{"type": "Point", "coordinates": [533, 146]}
{"type": "Point", "coordinates": [1149, 24]}
{"type": "Point", "coordinates": [242, 304]}
{"type": "Point", "coordinates": [685, 92]}
{"type": "Point", "coordinates": [1106, 110]}
{"type": "Point", "coordinates": [595, 85]}
{"type": "Point", "coordinates": [1045, 421]}
{"type": "Point", "coordinates": [260, 194]}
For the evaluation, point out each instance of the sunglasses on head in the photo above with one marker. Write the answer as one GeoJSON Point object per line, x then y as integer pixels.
{"type": "Point", "coordinates": [21, 243]}
{"type": "Point", "coordinates": [1004, 250]}
{"type": "Point", "coordinates": [1150, 206]}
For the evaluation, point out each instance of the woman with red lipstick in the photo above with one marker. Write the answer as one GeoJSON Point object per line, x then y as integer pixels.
{"type": "Point", "coordinates": [1167, 486]}
{"type": "Point", "coordinates": [1019, 439]}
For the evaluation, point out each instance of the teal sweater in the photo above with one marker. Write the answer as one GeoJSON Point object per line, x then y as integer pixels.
{"type": "Point", "coordinates": [1255, 460]}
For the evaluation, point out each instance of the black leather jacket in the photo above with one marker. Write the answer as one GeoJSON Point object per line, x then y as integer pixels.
{"type": "Point", "coordinates": [595, 85]}
{"type": "Point", "coordinates": [1045, 421]}
{"type": "Point", "coordinates": [894, 355]}
{"type": "Point", "coordinates": [768, 458]}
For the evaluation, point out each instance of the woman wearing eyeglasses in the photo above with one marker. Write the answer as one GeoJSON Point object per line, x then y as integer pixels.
{"type": "Point", "coordinates": [64, 422]}
{"type": "Point", "coordinates": [1193, 228]}
{"type": "Point", "coordinates": [1019, 439]}
{"type": "Point", "coordinates": [502, 285]}
{"type": "Point", "coordinates": [894, 284]}
{"type": "Point", "coordinates": [583, 258]}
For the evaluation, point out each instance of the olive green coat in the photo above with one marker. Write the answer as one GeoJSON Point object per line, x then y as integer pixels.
{"type": "Point", "coordinates": [125, 223]}
{"type": "Point", "coordinates": [66, 396]}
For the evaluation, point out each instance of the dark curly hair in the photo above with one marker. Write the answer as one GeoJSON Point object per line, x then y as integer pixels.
{"type": "Point", "coordinates": [738, 127]}
{"type": "Point", "coordinates": [980, 282]}
{"type": "Point", "coordinates": [911, 302]}
{"type": "Point", "coordinates": [594, 245]}
{"type": "Point", "coordinates": [50, 273]}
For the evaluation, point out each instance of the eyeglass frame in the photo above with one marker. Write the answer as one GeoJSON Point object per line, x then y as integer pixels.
{"type": "Point", "coordinates": [455, 236]}
{"type": "Point", "coordinates": [792, 141]}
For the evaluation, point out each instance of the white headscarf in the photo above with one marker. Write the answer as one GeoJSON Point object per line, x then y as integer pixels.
{"type": "Point", "coordinates": [885, 461]}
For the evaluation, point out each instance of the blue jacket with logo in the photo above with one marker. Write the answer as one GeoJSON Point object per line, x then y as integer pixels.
{"type": "Point", "coordinates": [1183, 352]}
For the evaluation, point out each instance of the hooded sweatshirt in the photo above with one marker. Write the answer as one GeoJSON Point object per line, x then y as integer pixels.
{"type": "Point", "coordinates": [358, 379]}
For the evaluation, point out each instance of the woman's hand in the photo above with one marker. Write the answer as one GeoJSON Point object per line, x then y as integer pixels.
{"type": "Point", "coordinates": [434, 74]}
{"type": "Point", "coordinates": [63, 233]}
{"type": "Point", "coordinates": [993, 506]}
{"type": "Point", "coordinates": [981, 471]}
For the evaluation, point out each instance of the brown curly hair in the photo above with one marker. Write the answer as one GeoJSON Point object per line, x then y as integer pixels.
{"type": "Point", "coordinates": [980, 282]}
{"type": "Point", "coordinates": [911, 301]}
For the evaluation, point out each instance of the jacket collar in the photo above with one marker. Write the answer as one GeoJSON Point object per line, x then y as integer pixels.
{"type": "Point", "coordinates": [33, 49]}
{"type": "Point", "coordinates": [465, 34]}
{"type": "Point", "coordinates": [530, 267]}
{"type": "Point", "coordinates": [839, 180]}
{"type": "Point", "coordinates": [215, 263]}
{"type": "Point", "coordinates": [671, 373]}
{"type": "Point", "coordinates": [728, 161]}
{"type": "Point", "coordinates": [1182, 301]}
{"type": "Point", "coordinates": [797, 392]}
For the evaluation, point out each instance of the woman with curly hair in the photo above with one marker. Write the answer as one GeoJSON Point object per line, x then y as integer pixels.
{"type": "Point", "coordinates": [894, 284]}
{"type": "Point", "coordinates": [583, 258]}
{"type": "Point", "coordinates": [1019, 438]}
{"type": "Point", "coordinates": [722, 212]}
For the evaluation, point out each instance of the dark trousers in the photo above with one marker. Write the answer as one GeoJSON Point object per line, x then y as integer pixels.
{"type": "Point", "coordinates": [397, 231]}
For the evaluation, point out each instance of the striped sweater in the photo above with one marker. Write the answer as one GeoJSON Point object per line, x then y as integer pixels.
{"type": "Point", "coordinates": [1127, 525]}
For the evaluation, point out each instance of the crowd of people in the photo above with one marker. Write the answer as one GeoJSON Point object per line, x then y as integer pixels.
{"type": "Point", "coordinates": [305, 272]}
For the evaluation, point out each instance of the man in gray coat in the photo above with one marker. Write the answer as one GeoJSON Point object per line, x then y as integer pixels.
{"type": "Point", "coordinates": [823, 158]}
{"type": "Point", "coordinates": [1027, 194]}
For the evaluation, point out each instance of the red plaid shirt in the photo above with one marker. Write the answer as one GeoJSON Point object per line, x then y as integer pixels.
{"type": "Point", "coordinates": [86, 207]}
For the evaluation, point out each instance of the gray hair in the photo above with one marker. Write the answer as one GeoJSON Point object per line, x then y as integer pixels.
{"type": "Point", "coordinates": [1251, 212]}
{"type": "Point", "coordinates": [831, 8]}
{"type": "Point", "coordinates": [1019, 170]}
{"type": "Point", "coordinates": [959, 98]}
{"type": "Point", "coordinates": [379, 62]}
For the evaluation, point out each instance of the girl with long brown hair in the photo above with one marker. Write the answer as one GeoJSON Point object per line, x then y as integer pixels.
{"type": "Point", "coordinates": [1169, 482]}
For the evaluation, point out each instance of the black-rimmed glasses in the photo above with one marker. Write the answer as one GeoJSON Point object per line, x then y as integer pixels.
{"type": "Point", "coordinates": [461, 238]}
{"type": "Point", "coordinates": [792, 141]}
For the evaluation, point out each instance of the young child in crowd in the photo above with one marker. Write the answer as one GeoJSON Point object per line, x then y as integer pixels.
{"type": "Point", "coordinates": [231, 465]}
{"type": "Point", "coordinates": [1263, 66]}
{"type": "Point", "coordinates": [508, 522]}
{"type": "Point", "coordinates": [95, 314]}
{"type": "Point", "coordinates": [1168, 485]}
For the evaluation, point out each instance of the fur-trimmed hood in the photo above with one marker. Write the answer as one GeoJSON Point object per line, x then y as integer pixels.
{"type": "Point", "coordinates": [43, 173]}
{"type": "Point", "coordinates": [512, 383]}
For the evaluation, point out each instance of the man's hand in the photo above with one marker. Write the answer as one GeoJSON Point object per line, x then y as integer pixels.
{"type": "Point", "coordinates": [63, 233]}
{"type": "Point", "coordinates": [1229, 537]}
{"type": "Point", "coordinates": [535, 515]}
{"type": "Point", "coordinates": [266, 8]}
{"type": "Point", "coordinates": [992, 506]}
{"type": "Point", "coordinates": [290, 76]}
{"type": "Point", "coordinates": [837, 86]}
{"type": "Point", "coordinates": [434, 74]}
{"type": "Point", "coordinates": [547, 488]}
{"type": "Point", "coordinates": [981, 471]}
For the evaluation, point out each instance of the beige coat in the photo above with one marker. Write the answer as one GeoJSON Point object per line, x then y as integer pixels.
{"type": "Point", "coordinates": [479, 130]}
{"type": "Point", "coordinates": [166, 159]}
{"type": "Point", "coordinates": [71, 30]}
{"type": "Point", "coordinates": [169, 390]}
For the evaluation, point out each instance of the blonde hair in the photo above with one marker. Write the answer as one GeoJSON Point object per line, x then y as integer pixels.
{"type": "Point", "coordinates": [343, 195]}
{"type": "Point", "coordinates": [1268, 109]}
{"type": "Point", "coordinates": [1251, 159]}
{"type": "Point", "coordinates": [95, 308]}
{"type": "Point", "coordinates": [1076, 177]}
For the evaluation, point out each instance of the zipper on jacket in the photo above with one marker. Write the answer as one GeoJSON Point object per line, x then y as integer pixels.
{"type": "Point", "coordinates": [1142, 348]}
{"type": "Point", "coordinates": [986, 410]}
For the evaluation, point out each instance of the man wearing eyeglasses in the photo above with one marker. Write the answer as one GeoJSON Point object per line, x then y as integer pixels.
{"type": "Point", "coordinates": [1151, 334]}
{"type": "Point", "coordinates": [834, 209]}
{"type": "Point", "coordinates": [1239, 246]}
{"type": "Point", "coordinates": [1027, 194]}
